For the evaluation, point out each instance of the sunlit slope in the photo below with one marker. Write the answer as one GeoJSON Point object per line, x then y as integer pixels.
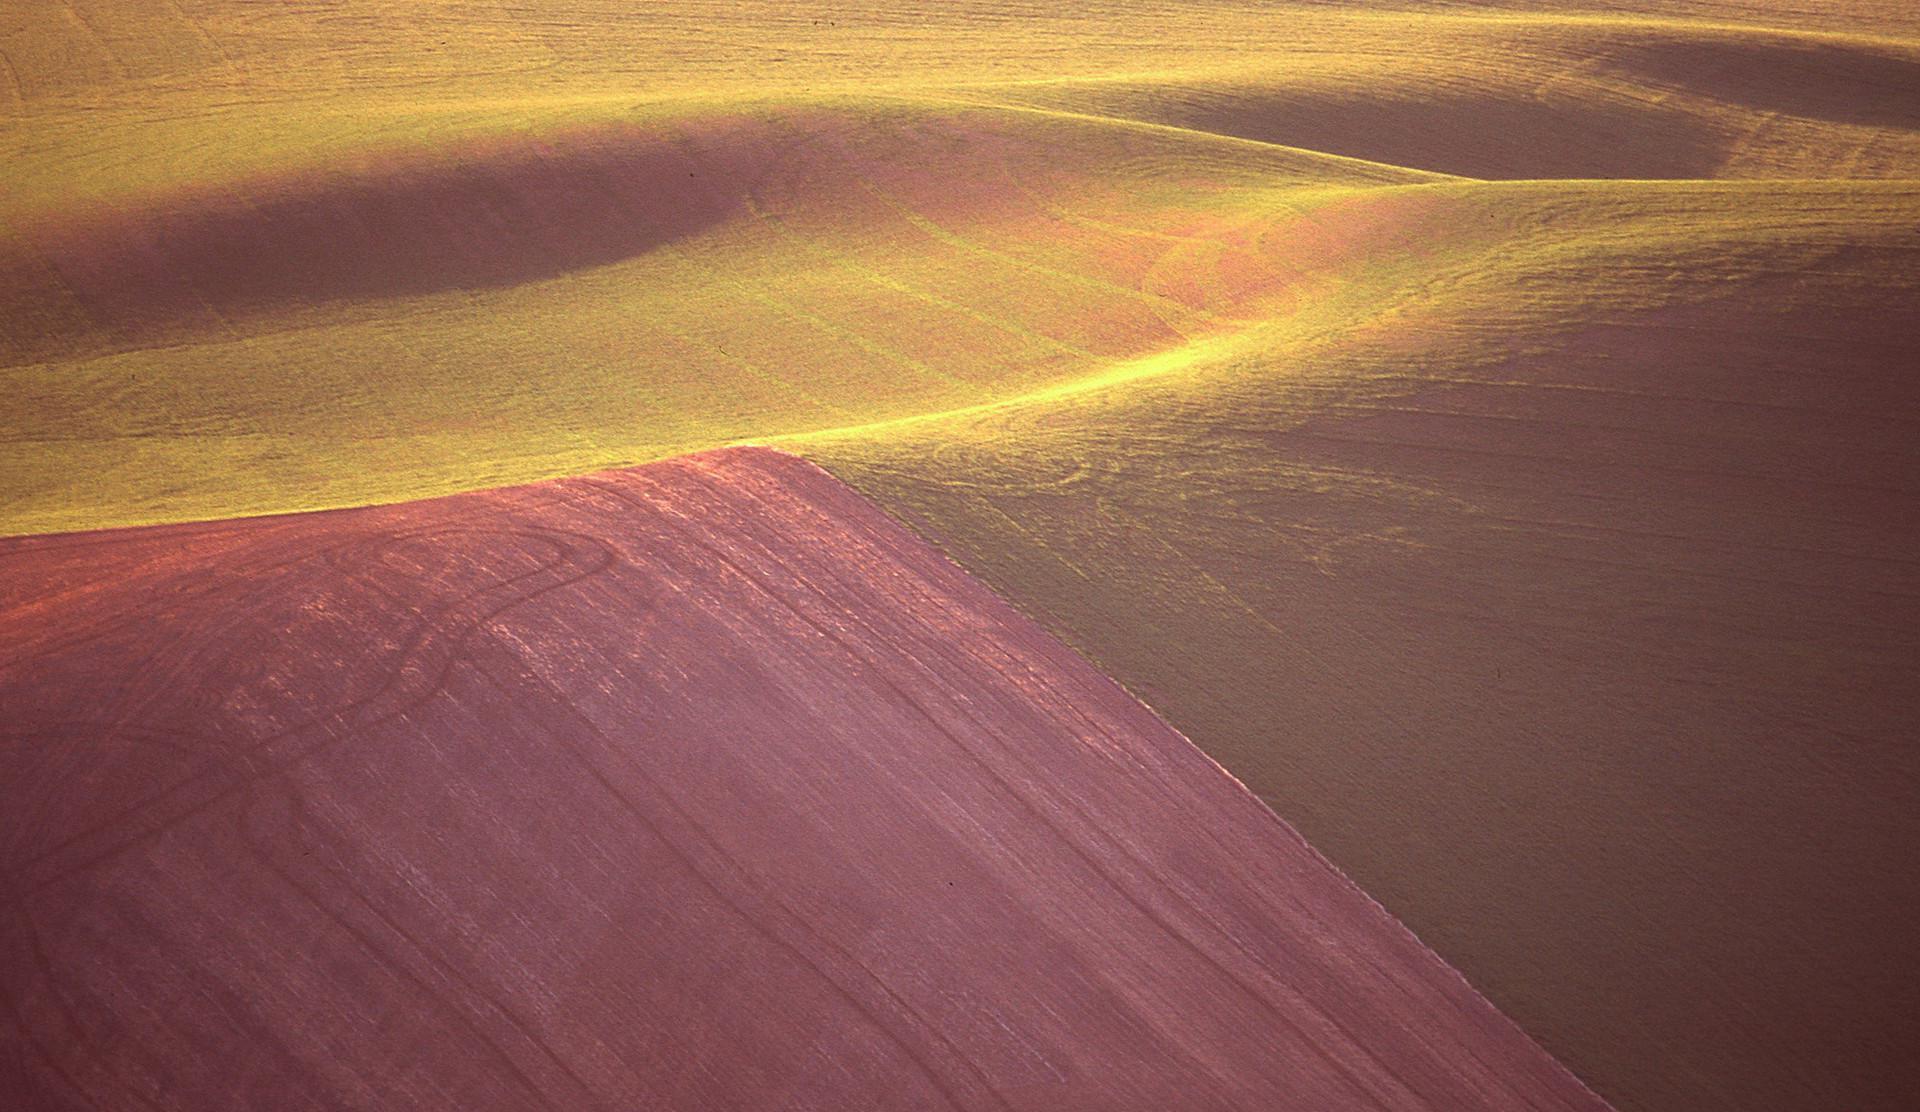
{"type": "Point", "coordinates": [98, 96]}
{"type": "Point", "coordinates": [103, 96]}
{"type": "Point", "coordinates": [589, 291]}
{"type": "Point", "coordinates": [1567, 600]}
{"type": "Point", "coordinates": [262, 258]}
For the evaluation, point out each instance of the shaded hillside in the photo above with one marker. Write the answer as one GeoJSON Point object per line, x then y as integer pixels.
{"type": "Point", "coordinates": [698, 785]}
{"type": "Point", "coordinates": [1569, 604]}
{"type": "Point", "coordinates": [1549, 98]}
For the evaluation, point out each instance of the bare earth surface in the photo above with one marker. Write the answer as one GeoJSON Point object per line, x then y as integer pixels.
{"type": "Point", "coordinates": [701, 785]}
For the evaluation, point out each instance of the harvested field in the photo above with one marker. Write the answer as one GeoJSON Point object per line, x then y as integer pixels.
{"type": "Point", "coordinates": [696, 785]}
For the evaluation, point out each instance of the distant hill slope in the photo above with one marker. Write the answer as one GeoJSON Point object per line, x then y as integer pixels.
{"type": "Point", "coordinates": [1552, 98]}
{"type": "Point", "coordinates": [698, 785]}
{"type": "Point", "coordinates": [613, 288]}
{"type": "Point", "coordinates": [257, 259]}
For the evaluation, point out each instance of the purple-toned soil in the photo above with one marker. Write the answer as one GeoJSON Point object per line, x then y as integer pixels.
{"type": "Point", "coordinates": [701, 785]}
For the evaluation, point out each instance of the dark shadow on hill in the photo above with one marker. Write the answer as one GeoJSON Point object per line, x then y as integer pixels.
{"type": "Point", "coordinates": [1476, 134]}
{"type": "Point", "coordinates": [1837, 82]}
{"type": "Point", "coordinates": [484, 217]}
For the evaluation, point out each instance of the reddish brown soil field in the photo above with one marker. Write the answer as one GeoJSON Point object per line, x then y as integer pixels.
{"type": "Point", "coordinates": [700, 785]}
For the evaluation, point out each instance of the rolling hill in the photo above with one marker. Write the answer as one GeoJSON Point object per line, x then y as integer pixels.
{"type": "Point", "coordinates": [1487, 430]}
{"type": "Point", "coordinates": [1578, 631]}
{"type": "Point", "coordinates": [696, 785]}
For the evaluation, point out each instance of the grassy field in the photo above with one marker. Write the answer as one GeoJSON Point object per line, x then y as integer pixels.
{"type": "Point", "coordinates": [262, 259]}
{"type": "Point", "coordinates": [1488, 430]}
{"type": "Point", "coordinates": [520, 306]}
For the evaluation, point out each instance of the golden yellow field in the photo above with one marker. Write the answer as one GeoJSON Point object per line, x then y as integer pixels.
{"type": "Point", "coordinates": [890, 215]}
{"type": "Point", "coordinates": [1488, 430]}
